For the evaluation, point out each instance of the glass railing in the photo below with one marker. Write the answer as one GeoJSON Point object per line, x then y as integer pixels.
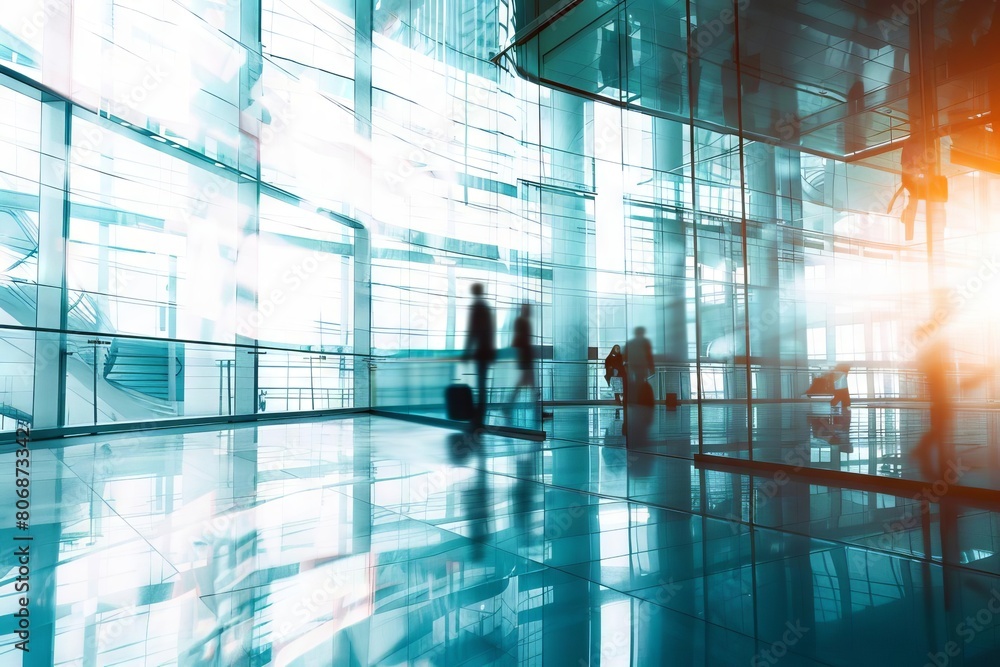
{"type": "Point", "coordinates": [416, 386]}
{"type": "Point", "coordinates": [16, 378]}
{"type": "Point", "coordinates": [292, 381]}
{"type": "Point", "coordinates": [112, 379]}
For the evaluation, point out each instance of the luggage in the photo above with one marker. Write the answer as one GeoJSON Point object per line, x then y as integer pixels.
{"type": "Point", "coordinates": [834, 430]}
{"type": "Point", "coordinates": [458, 402]}
{"type": "Point", "coordinates": [645, 395]}
{"type": "Point", "coordinates": [822, 385]}
{"type": "Point", "coordinates": [617, 386]}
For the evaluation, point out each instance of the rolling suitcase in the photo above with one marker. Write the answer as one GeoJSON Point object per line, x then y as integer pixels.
{"type": "Point", "coordinates": [458, 402]}
{"type": "Point", "coordinates": [645, 395]}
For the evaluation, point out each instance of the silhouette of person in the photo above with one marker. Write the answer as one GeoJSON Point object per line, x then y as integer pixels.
{"type": "Point", "coordinates": [934, 362]}
{"type": "Point", "coordinates": [638, 363]}
{"type": "Point", "coordinates": [524, 489]}
{"type": "Point", "coordinates": [477, 500]}
{"type": "Point", "coordinates": [834, 429]}
{"type": "Point", "coordinates": [480, 347]}
{"type": "Point", "coordinates": [841, 393]}
{"type": "Point", "coordinates": [638, 394]}
{"type": "Point", "coordinates": [614, 367]}
{"type": "Point", "coordinates": [525, 351]}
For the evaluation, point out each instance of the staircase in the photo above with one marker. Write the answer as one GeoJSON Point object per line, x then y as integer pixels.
{"type": "Point", "coordinates": [142, 366]}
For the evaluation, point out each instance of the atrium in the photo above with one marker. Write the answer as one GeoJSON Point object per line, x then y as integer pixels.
{"type": "Point", "coordinates": [499, 332]}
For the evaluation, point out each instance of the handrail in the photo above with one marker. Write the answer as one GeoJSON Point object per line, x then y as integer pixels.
{"type": "Point", "coordinates": [302, 349]}
{"type": "Point", "coordinates": [422, 360]}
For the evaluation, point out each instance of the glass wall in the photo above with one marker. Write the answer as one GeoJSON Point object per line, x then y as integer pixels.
{"type": "Point", "coordinates": [20, 119]}
{"type": "Point", "coordinates": [828, 184]}
{"type": "Point", "coordinates": [174, 243]}
{"type": "Point", "coordinates": [337, 179]}
{"type": "Point", "coordinates": [233, 207]}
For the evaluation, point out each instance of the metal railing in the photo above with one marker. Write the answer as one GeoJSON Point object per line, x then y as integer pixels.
{"type": "Point", "coordinates": [155, 379]}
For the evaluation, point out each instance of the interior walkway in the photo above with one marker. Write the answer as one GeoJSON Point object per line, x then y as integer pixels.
{"type": "Point", "coordinates": [371, 541]}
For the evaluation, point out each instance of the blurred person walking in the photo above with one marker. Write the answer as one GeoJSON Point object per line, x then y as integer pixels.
{"type": "Point", "coordinates": [638, 394]}
{"type": "Point", "coordinates": [525, 351]}
{"type": "Point", "coordinates": [480, 347]}
{"type": "Point", "coordinates": [934, 363]}
{"type": "Point", "coordinates": [614, 373]}
{"type": "Point", "coordinates": [639, 364]}
{"type": "Point", "coordinates": [841, 393]}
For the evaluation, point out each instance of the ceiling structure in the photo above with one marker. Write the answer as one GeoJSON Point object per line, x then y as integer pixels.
{"type": "Point", "coordinates": [828, 77]}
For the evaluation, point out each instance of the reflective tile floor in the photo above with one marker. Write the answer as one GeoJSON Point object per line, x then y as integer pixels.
{"type": "Point", "coordinates": [872, 440]}
{"type": "Point", "coordinates": [372, 541]}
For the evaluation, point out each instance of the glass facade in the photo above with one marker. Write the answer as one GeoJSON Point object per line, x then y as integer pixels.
{"type": "Point", "coordinates": [176, 243]}
{"type": "Point", "coordinates": [227, 208]}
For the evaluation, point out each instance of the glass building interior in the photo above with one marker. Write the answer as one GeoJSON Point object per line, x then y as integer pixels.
{"type": "Point", "coordinates": [238, 242]}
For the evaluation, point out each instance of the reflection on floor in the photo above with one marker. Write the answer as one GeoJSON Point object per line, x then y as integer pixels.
{"type": "Point", "coordinates": [370, 541]}
{"type": "Point", "coordinates": [864, 439]}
